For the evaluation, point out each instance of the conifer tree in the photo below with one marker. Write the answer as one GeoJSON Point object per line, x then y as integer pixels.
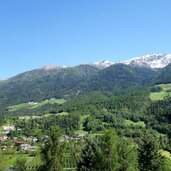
{"type": "Point", "coordinates": [52, 152]}
{"type": "Point", "coordinates": [149, 157]}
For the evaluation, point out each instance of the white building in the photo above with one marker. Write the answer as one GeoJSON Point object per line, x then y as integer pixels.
{"type": "Point", "coordinates": [8, 129]}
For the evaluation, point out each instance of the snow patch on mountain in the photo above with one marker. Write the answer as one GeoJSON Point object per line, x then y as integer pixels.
{"type": "Point", "coordinates": [151, 60]}
{"type": "Point", "coordinates": [52, 67]}
{"type": "Point", "coordinates": [102, 64]}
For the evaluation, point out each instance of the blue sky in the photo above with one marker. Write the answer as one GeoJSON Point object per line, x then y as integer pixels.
{"type": "Point", "coordinates": [34, 33]}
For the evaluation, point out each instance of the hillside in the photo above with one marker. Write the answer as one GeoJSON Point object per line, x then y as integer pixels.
{"type": "Point", "coordinates": [165, 75]}
{"type": "Point", "coordinates": [154, 61]}
{"type": "Point", "coordinates": [120, 78]}
{"type": "Point", "coordinates": [119, 98]}
{"type": "Point", "coordinates": [61, 82]}
{"type": "Point", "coordinates": [40, 84]}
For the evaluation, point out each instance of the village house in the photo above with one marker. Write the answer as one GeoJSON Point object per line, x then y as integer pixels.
{"type": "Point", "coordinates": [18, 143]}
{"type": "Point", "coordinates": [24, 146]}
{"type": "Point", "coordinates": [80, 135]}
{"type": "Point", "coordinates": [8, 129]}
{"type": "Point", "coordinates": [4, 138]}
{"type": "Point", "coordinates": [3, 148]}
{"type": "Point", "coordinates": [32, 103]}
{"type": "Point", "coordinates": [65, 138]}
{"type": "Point", "coordinates": [30, 139]}
{"type": "Point", "coordinates": [33, 148]}
{"type": "Point", "coordinates": [76, 138]}
{"type": "Point", "coordinates": [28, 147]}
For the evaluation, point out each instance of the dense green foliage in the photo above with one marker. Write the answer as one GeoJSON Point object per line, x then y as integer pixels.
{"type": "Point", "coordinates": [53, 151]}
{"type": "Point", "coordinates": [120, 78]}
{"type": "Point", "coordinates": [99, 125]}
{"type": "Point", "coordinates": [149, 157]}
{"type": "Point", "coordinates": [40, 84]}
{"type": "Point", "coordinates": [164, 76]}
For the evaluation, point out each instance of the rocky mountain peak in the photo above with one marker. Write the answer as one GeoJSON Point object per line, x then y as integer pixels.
{"type": "Point", "coordinates": [150, 60]}
{"type": "Point", "coordinates": [52, 67]}
{"type": "Point", "coordinates": [102, 64]}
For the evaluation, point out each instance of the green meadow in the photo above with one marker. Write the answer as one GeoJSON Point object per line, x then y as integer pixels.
{"type": "Point", "coordinates": [166, 91]}
{"type": "Point", "coordinates": [35, 105]}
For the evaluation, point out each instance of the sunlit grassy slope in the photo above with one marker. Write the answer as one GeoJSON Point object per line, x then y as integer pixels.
{"type": "Point", "coordinates": [130, 123]}
{"type": "Point", "coordinates": [166, 91]}
{"type": "Point", "coordinates": [35, 105]}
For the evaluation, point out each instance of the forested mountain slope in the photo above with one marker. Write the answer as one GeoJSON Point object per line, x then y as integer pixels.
{"type": "Point", "coordinates": [42, 84]}
{"type": "Point", "coordinates": [120, 78]}
{"type": "Point", "coordinates": [165, 75]}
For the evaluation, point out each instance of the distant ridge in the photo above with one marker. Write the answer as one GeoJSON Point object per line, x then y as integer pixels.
{"type": "Point", "coordinates": [102, 64]}
{"type": "Point", "coordinates": [52, 67]}
{"type": "Point", "coordinates": [54, 81]}
{"type": "Point", "coordinates": [151, 61]}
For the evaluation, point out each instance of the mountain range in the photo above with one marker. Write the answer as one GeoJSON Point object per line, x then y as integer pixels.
{"type": "Point", "coordinates": [104, 76]}
{"type": "Point", "coordinates": [151, 61]}
{"type": "Point", "coordinates": [154, 61]}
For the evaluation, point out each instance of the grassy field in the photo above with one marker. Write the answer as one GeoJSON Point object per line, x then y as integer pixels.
{"type": "Point", "coordinates": [35, 105]}
{"type": "Point", "coordinates": [70, 158]}
{"type": "Point", "coordinates": [10, 160]}
{"type": "Point", "coordinates": [19, 107]}
{"type": "Point", "coordinates": [130, 123]}
{"type": "Point", "coordinates": [29, 117]}
{"type": "Point", "coordinates": [46, 115]}
{"type": "Point", "coordinates": [162, 94]}
{"type": "Point", "coordinates": [81, 129]}
{"type": "Point", "coordinates": [58, 114]}
{"type": "Point", "coordinates": [33, 163]}
{"type": "Point", "coordinates": [51, 101]}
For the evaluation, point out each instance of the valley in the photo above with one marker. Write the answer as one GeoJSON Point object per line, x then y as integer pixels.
{"type": "Point", "coordinates": [71, 115]}
{"type": "Point", "coordinates": [85, 85]}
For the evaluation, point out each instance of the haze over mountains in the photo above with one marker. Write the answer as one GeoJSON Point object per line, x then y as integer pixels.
{"type": "Point", "coordinates": [104, 76]}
